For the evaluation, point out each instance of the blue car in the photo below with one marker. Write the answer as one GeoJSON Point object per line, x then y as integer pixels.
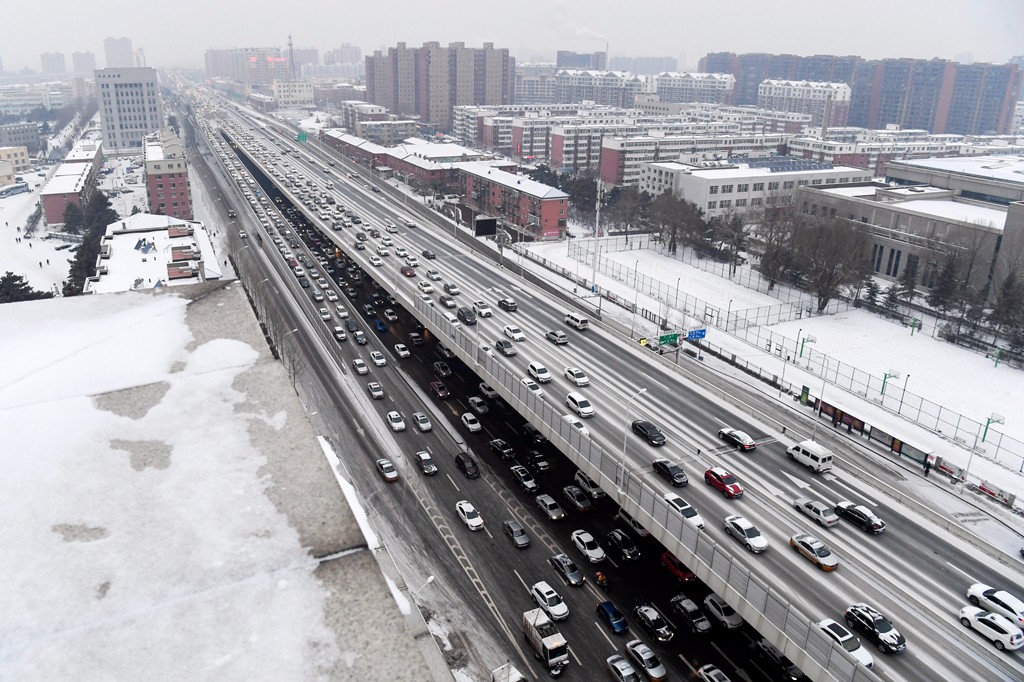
{"type": "Point", "coordinates": [380, 325]}
{"type": "Point", "coordinates": [612, 617]}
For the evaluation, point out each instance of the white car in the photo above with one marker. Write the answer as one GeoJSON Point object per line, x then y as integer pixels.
{"type": "Point", "coordinates": [686, 509]}
{"type": "Point", "coordinates": [332, 296]}
{"type": "Point", "coordinates": [425, 286]}
{"type": "Point", "coordinates": [376, 262]}
{"type": "Point", "coordinates": [822, 513]}
{"type": "Point", "coordinates": [412, 261]}
{"type": "Point", "coordinates": [434, 275]}
{"type": "Point", "coordinates": [401, 350]}
{"type": "Point", "coordinates": [848, 641]}
{"type": "Point", "coordinates": [486, 350]}
{"type": "Point", "coordinates": [549, 600]}
{"type": "Point", "coordinates": [422, 422]}
{"type": "Point", "coordinates": [378, 358]}
{"type": "Point", "coordinates": [360, 366]}
{"type": "Point", "coordinates": [470, 421]}
{"type": "Point", "coordinates": [395, 421]}
{"type": "Point", "coordinates": [998, 601]}
{"type": "Point", "coordinates": [577, 376]}
{"type": "Point", "coordinates": [533, 386]}
{"type": "Point", "coordinates": [482, 308]}
{"type": "Point", "coordinates": [513, 332]}
{"type": "Point", "coordinates": [488, 392]}
{"type": "Point", "coordinates": [588, 546]}
{"type": "Point", "coordinates": [325, 314]}
{"type": "Point", "coordinates": [469, 515]}
{"type": "Point", "coordinates": [341, 312]}
{"type": "Point", "coordinates": [478, 405]}
{"type": "Point", "coordinates": [539, 372]}
{"type": "Point", "coordinates": [746, 532]}
{"type": "Point", "coordinates": [401, 252]}
{"type": "Point", "coordinates": [426, 299]}
{"type": "Point", "coordinates": [995, 627]}
{"type": "Point", "coordinates": [711, 673]}
{"type": "Point", "coordinates": [620, 669]}
{"type": "Point", "coordinates": [576, 424]}
{"type": "Point", "coordinates": [646, 660]}
{"type": "Point", "coordinates": [722, 612]}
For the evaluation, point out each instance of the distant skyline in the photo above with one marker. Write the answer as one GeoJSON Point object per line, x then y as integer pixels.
{"type": "Point", "coordinates": [984, 30]}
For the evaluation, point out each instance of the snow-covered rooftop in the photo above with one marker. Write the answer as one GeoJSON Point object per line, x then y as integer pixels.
{"type": "Point", "coordinates": [955, 210]}
{"type": "Point", "coordinates": [1008, 168]}
{"type": "Point", "coordinates": [69, 178]}
{"type": "Point", "coordinates": [520, 183]}
{"type": "Point", "coordinates": [857, 191]}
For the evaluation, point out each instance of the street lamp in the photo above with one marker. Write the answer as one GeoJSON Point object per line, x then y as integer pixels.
{"type": "Point", "coordinates": [625, 429]}
{"type": "Point", "coordinates": [891, 374]}
{"type": "Point", "coordinates": [994, 418]}
{"type": "Point", "coordinates": [429, 580]}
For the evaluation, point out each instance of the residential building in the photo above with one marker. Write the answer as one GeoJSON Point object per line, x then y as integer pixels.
{"type": "Point", "coordinates": [937, 95]}
{"type": "Point", "coordinates": [147, 251]}
{"type": "Point", "coordinates": [565, 59]}
{"type": "Point", "coordinates": [1018, 60]}
{"type": "Point", "coordinates": [623, 158]}
{"type": "Point", "coordinates": [527, 206]}
{"type": "Point", "coordinates": [119, 53]}
{"type": "Point", "coordinates": [1018, 119]}
{"type": "Point", "coordinates": [20, 134]}
{"type": "Point", "coordinates": [18, 157]}
{"type": "Point", "coordinates": [608, 88]}
{"type": "Point", "coordinates": [746, 118]}
{"type": "Point", "coordinates": [130, 107]}
{"type": "Point", "coordinates": [332, 71]}
{"type": "Point", "coordinates": [429, 81]}
{"type": "Point", "coordinates": [535, 84]}
{"type": "Point", "coordinates": [53, 63]}
{"type": "Point", "coordinates": [386, 133]}
{"type": "Point", "coordinates": [351, 112]}
{"type": "Point", "coordinates": [139, 58]}
{"type": "Point", "coordinates": [292, 94]}
{"type": "Point", "coordinates": [83, 63]}
{"type": "Point", "coordinates": [826, 103]}
{"type": "Point", "coordinates": [86, 150]}
{"type": "Point", "coordinates": [71, 183]}
{"type": "Point", "coordinates": [167, 185]}
{"type": "Point", "coordinates": [741, 185]}
{"type": "Point", "coordinates": [346, 54]}
{"type": "Point", "coordinates": [7, 176]}
{"type": "Point", "coordinates": [337, 93]}
{"type": "Point", "coordinates": [253, 67]}
{"type": "Point", "coordinates": [468, 121]}
{"type": "Point", "coordinates": [303, 55]}
{"type": "Point", "coordinates": [715, 88]}
{"type": "Point", "coordinates": [644, 66]}
{"type": "Point", "coordinates": [17, 100]}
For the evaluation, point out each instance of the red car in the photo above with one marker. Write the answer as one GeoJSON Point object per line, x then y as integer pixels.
{"type": "Point", "coordinates": [722, 480]}
{"type": "Point", "coordinates": [439, 389]}
{"type": "Point", "coordinates": [408, 271]}
{"type": "Point", "coordinates": [677, 568]}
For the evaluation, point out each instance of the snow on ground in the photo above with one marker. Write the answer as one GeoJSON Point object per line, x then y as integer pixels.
{"type": "Point", "coordinates": [112, 563]}
{"type": "Point", "coordinates": [858, 337]}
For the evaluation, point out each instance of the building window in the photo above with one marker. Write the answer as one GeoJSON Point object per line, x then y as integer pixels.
{"type": "Point", "coordinates": [727, 203]}
{"type": "Point", "coordinates": [726, 189]}
{"type": "Point", "coordinates": [801, 183]}
{"type": "Point", "coordinates": [740, 203]}
{"type": "Point", "coordinates": [712, 205]}
{"type": "Point", "coordinates": [742, 188]}
{"type": "Point", "coordinates": [756, 201]}
{"type": "Point", "coordinates": [788, 184]}
{"type": "Point", "coordinates": [713, 189]}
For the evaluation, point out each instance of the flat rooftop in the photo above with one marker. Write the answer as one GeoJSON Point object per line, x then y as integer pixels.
{"type": "Point", "coordinates": [954, 210]}
{"type": "Point", "coordinates": [1008, 168]}
{"type": "Point", "coordinates": [521, 183]}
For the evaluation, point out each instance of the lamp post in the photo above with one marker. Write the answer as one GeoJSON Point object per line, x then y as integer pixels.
{"type": "Point", "coordinates": [891, 374]}
{"type": "Point", "coordinates": [807, 339]}
{"type": "Point", "coordinates": [904, 394]}
{"type": "Point", "coordinates": [632, 324]}
{"type": "Point", "coordinates": [675, 301]}
{"type": "Point", "coordinates": [994, 418]}
{"type": "Point", "coordinates": [625, 416]}
{"type": "Point", "coordinates": [430, 579]}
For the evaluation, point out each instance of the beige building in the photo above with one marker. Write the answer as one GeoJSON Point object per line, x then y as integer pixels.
{"type": "Point", "coordinates": [18, 158]}
{"type": "Point", "coordinates": [6, 173]}
{"type": "Point", "coordinates": [292, 94]}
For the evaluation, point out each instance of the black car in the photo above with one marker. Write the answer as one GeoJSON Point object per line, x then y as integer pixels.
{"type": "Point", "coordinates": [505, 347]}
{"type": "Point", "coordinates": [442, 369]}
{"type": "Point", "coordinates": [429, 255]}
{"type": "Point", "coordinates": [860, 516]}
{"type": "Point", "coordinates": [778, 666]}
{"type": "Point", "coordinates": [534, 434]}
{"type": "Point", "coordinates": [671, 472]}
{"type": "Point", "coordinates": [577, 499]}
{"type": "Point", "coordinates": [360, 337]}
{"type": "Point", "coordinates": [369, 311]}
{"type": "Point", "coordinates": [501, 448]}
{"type": "Point", "coordinates": [691, 614]}
{"type": "Point", "coordinates": [653, 622]}
{"type": "Point", "coordinates": [623, 544]}
{"type": "Point", "coordinates": [536, 461]}
{"type": "Point", "coordinates": [525, 479]}
{"type": "Point", "coordinates": [649, 432]}
{"type": "Point", "coordinates": [567, 570]}
{"type": "Point", "coordinates": [467, 465]}
{"type": "Point", "coordinates": [508, 305]}
{"type": "Point", "coordinates": [304, 282]}
{"type": "Point", "coordinates": [351, 324]}
{"type": "Point", "coordinates": [516, 533]}
{"type": "Point", "coordinates": [876, 628]}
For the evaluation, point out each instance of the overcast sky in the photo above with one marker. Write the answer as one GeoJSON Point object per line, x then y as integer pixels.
{"type": "Point", "coordinates": [177, 33]}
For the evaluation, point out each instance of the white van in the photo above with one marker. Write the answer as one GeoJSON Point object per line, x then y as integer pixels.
{"type": "Point", "coordinates": [812, 455]}
{"type": "Point", "coordinates": [452, 320]}
{"type": "Point", "coordinates": [577, 320]}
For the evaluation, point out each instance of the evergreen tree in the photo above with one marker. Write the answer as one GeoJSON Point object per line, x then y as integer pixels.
{"type": "Point", "coordinates": [1009, 306]}
{"type": "Point", "coordinates": [943, 294]}
{"type": "Point", "coordinates": [892, 297]}
{"type": "Point", "coordinates": [74, 219]}
{"type": "Point", "coordinates": [871, 291]}
{"type": "Point", "coordinates": [14, 288]}
{"type": "Point", "coordinates": [908, 280]}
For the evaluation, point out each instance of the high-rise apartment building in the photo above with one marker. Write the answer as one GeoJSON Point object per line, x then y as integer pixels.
{"type": "Point", "coordinates": [119, 53]}
{"type": "Point", "coordinates": [53, 63]}
{"type": "Point", "coordinates": [825, 102]}
{"type": "Point", "coordinates": [610, 88]}
{"type": "Point", "coordinates": [710, 88]}
{"type": "Point", "coordinates": [249, 65]}
{"type": "Point", "coordinates": [346, 54]}
{"type": "Point", "coordinates": [429, 81]}
{"type": "Point", "coordinates": [139, 58]}
{"type": "Point", "coordinates": [644, 66]}
{"type": "Point", "coordinates": [564, 59]}
{"type": "Point", "coordinates": [130, 107]}
{"type": "Point", "coordinates": [935, 94]}
{"type": "Point", "coordinates": [83, 63]}
{"type": "Point", "coordinates": [303, 56]}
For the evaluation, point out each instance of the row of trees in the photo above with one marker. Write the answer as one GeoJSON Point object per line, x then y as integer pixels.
{"type": "Point", "coordinates": [91, 224]}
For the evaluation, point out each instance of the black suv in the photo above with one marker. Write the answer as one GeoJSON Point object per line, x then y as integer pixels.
{"type": "Point", "coordinates": [623, 544]}
{"type": "Point", "coordinates": [876, 628]}
{"type": "Point", "coordinates": [501, 448]}
{"type": "Point", "coordinates": [649, 432]}
{"type": "Point", "coordinates": [466, 315]}
{"type": "Point", "coordinates": [508, 304]}
{"type": "Point", "coordinates": [533, 433]}
{"type": "Point", "coordinates": [536, 461]}
{"type": "Point", "coordinates": [779, 667]}
{"type": "Point", "coordinates": [467, 465]}
{"type": "Point", "coordinates": [671, 472]}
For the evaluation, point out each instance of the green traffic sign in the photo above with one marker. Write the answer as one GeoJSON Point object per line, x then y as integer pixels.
{"type": "Point", "coordinates": [669, 339]}
{"type": "Point", "coordinates": [301, 137]}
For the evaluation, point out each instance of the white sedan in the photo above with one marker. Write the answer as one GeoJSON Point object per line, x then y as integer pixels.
{"type": "Point", "coordinates": [999, 601]}
{"type": "Point", "coordinates": [470, 421]}
{"type": "Point", "coordinates": [686, 509]}
{"type": "Point", "coordinates": [402, 350]}
{"type": "Point", "coordinates": [378, 358]}
{"type": "Point", "coordinates": [577, 376]}
{"type": "Point", "coordinates": [376, 262]}
{"type": "Point", "coordinates": [588, 546]}
{"type": "Point", "coordinates": [513, 332]}
{"type": "Point", "coordinates": [995, 627]}
{"type": "Point", "coordinates": [469, 515]}
{"type": "Point", "coordinates": [396, 421]}
{"type": "Point", "coordinates": [425, 286]}
{"type": "Point", "coordinates": [533, 386]}
{"type": "Point", "coordinates": [746, 532]}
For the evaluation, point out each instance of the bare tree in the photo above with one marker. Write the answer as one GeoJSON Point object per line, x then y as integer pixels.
{"type": "Point", "coordinates": [771, 239]}
{"type": "Point", "coordinates": [829, 255]}
{"type": "Point", "coordinates": [629, 209]}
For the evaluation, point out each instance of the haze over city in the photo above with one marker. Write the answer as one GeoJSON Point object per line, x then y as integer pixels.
{"type": "Point", "coordinates": [988, 32]}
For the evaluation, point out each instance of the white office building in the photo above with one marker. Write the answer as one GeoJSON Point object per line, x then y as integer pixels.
{"type": "Point", "coordinates": [130, 107]}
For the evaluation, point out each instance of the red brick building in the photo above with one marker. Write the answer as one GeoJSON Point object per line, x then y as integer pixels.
{"type": "Point", "coordinates": [530, 207]}
{"type": "Point", "coordinates": [167, 186]}
{"type": "Point", "coordinates": [71, 183]}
